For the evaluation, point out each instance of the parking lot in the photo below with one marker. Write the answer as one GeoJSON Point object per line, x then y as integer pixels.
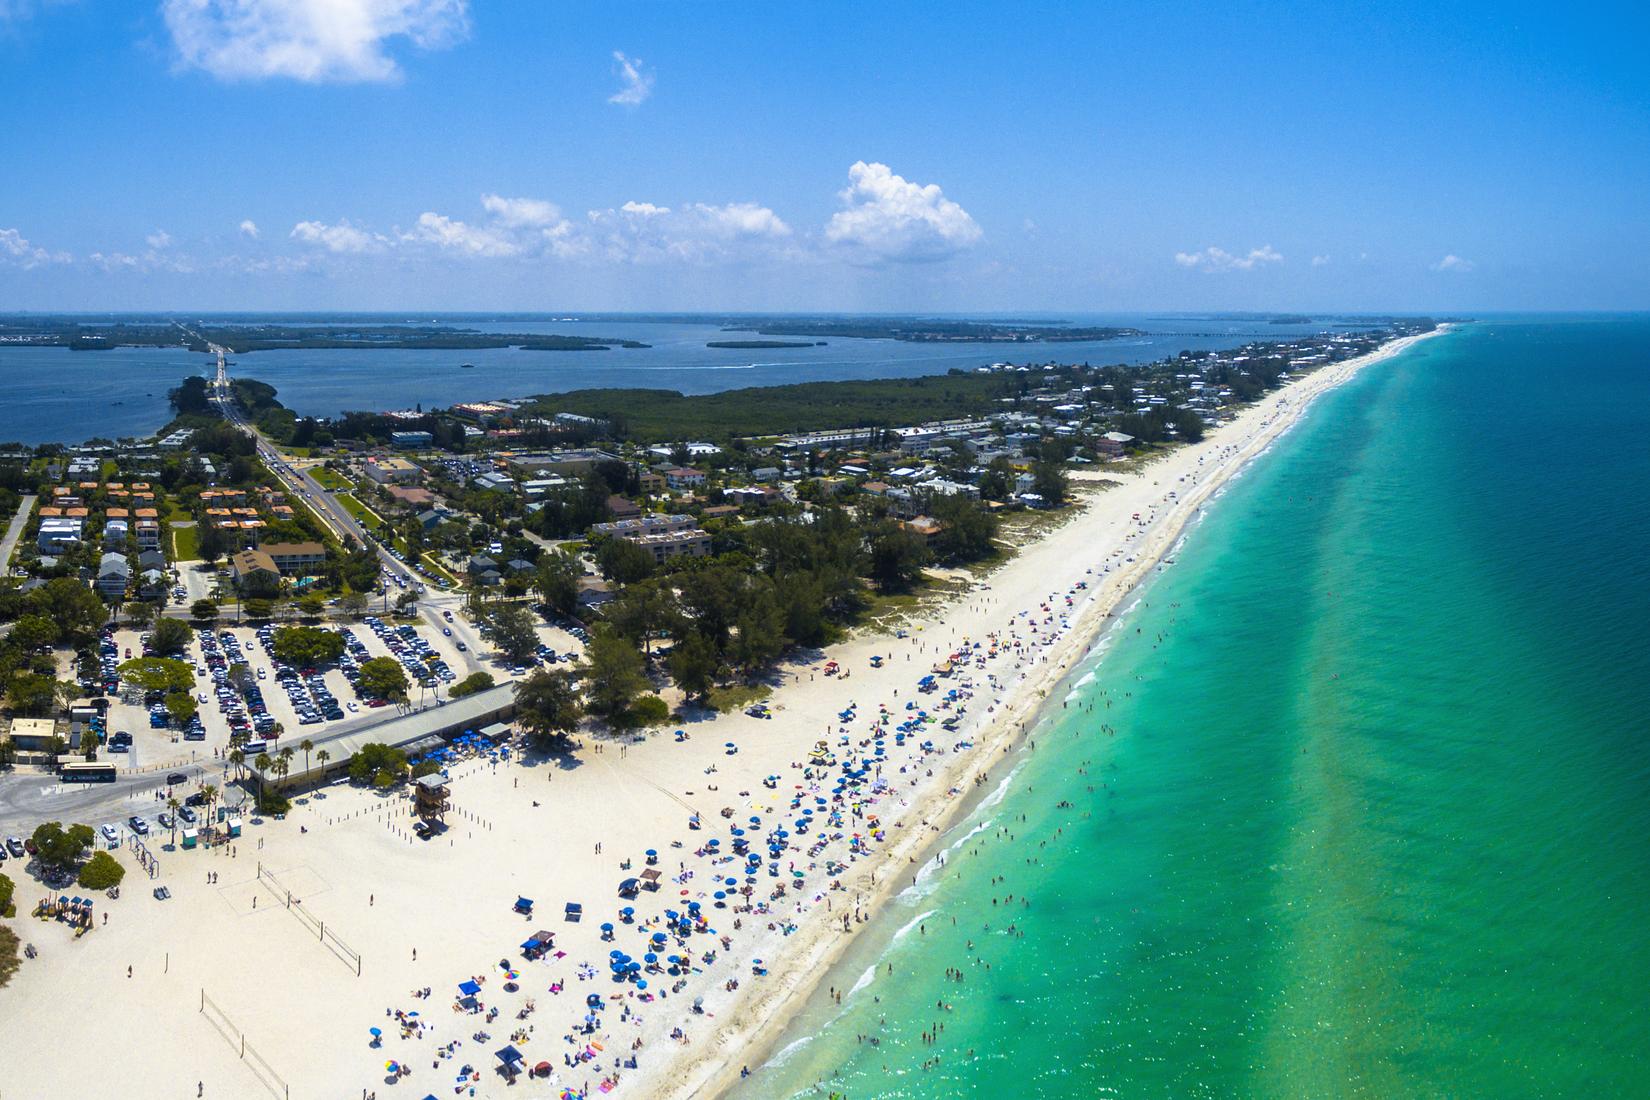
{"type": "Point", "coordinates": [299, 700]}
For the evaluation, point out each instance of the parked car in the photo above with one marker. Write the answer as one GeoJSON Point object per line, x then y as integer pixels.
{"type": "Point", "coordinates": [14, 845]}
{"type": "Point", "coordinates": [110, 833]}
{"type": "Point", "coordinates": [176, 779]}
{"type": "Point", "coordinates": [138, 825]}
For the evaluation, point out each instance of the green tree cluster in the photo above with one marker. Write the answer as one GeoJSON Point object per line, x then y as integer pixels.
{"type": "Point", "coordinates": [307, 645]}
{"type": "Point", "coordinates": [101, 872]}
{"type": "Point", "coordinates": [378, 764]}
{"type": "Point", "coordinates": [474, 682]}
{"type": "Point", "coordinates": [383, 678]}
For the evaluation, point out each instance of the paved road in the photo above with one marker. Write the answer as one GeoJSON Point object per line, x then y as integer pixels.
{"type": "Point", "coordinates": [8, 545]}
{"type": "Point", "coordinates": [27, 799]}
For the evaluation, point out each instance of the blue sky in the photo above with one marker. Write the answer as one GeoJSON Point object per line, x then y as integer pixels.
{"type": "Point", "coordinates": [487, 154]}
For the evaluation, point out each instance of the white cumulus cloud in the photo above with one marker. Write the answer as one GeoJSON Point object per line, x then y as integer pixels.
{"type": "Point", "coordinates": [644, 209]}
{"type": "Point", "coordinates": [249, 228]}
{"type": "Point", "coordinates": [1452, 262]}
{"type": "Point", "coordinates": [636, 83]}
{"type": "Point", "coordinates": [888, 217]}
{"type": "Point", "coordinates": [521, 213]}
{"type": "Point", "coordinates": [342, 238]}
{"type": "Point", "coordinates": [307, 40]}
{"type": "Point", "coordinates": [472, 240]}
{"type": "Point", "coordinates": [17, 249]}
{"type": "Point", "coordinates": [1320, 261]}
{"type": "Point", "coordinates": [740, 219]}
{"type": "Point", "coordinates": [159, 239]}
{"type": "Point", "coordinates": [1218, 259]}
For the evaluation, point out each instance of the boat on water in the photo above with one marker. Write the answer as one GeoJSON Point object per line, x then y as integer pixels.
{"type": "Point", "coordinates": [466, 366]}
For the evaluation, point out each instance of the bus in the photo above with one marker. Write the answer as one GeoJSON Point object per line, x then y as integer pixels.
{"type": "Point", "coordinates": [82, 771]}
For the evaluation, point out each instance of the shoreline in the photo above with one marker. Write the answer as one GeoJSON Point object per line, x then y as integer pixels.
{"type": "Point", "coordinates": [810, 965]}
{"type": "Point", "coordinates": [433, 914]}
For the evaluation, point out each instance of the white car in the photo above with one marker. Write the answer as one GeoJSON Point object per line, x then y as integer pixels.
{"type": "Point", "coordinates": [110, 833]}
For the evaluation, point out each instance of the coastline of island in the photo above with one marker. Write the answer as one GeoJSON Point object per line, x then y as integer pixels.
{"type": "Point", "coordinates": [421, 890]}
{"type": "Point", "coordinates": [812, 962]}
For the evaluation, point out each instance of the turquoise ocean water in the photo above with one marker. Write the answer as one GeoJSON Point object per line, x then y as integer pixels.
{"type": "Point", "coordinates": [1360, 793]}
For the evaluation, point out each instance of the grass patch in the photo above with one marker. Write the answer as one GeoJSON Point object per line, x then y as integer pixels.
{"type": "Point", "coordinates": [1022, 528]}
{"type": "Point", "coordinates": [329, 479]}
{"type": "Point", "coordinates": [434, 565]}
{"type": "Point", "coordinates": [888, 610]}
{"type": "Point", "coordinates": [10, 958]}
{"type": "Point", "coordinates": [737, 696]}
{"type": "Point", "coordinates": [186, 544]}
{"type": "Point", "coordinates": [363, 515]}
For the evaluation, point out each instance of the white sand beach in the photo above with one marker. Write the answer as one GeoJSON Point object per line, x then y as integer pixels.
{"type": "Point", "coordinates": [229, 989]}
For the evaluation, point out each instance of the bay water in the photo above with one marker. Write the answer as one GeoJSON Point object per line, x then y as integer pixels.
{"type": "Point", "coordinates": [54, 395]}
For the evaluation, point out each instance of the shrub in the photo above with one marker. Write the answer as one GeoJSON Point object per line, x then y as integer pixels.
{"type": "Point", "coordinates": [101, 872]}
{"type": "Point", "coordinates": [476, 681]}
{"type": "Point", "coordinates": [7, 887]}
{"type": "Point", "coordinates": [649, 710]}
{"type": "Point", "coordinates": [273, 802]}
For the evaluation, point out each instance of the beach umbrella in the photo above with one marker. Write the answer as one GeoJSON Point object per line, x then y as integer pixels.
{"type": "Point", "coordinates": [641, 983]}
{"type": "Point", "coordinates": [594, 1000]}
{"type": "Point", "coordinates": [607, 927]}
{"type": "Point", "coordinates": [659, 937]}
{"type": "Point", "coordinates": [375, 1032]}
{"type": "Point", "coordinates": [650, 957]}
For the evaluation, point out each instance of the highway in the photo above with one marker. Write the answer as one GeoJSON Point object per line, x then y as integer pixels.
{"type": "Point", "coordinates": [8, 546]}
{"type": "Point", "coordinates": [25, 801]}
{"type": "Point", "coordinates": [301, 485]}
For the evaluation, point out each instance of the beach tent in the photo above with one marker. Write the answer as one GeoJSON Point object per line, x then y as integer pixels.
{"type": "Point", "coordinates": [573, 911]}
{"type": "Point", "coordinates": [524, 906]}
{"type": "Point", "coordinates": [651, 876]}
{"type": "Point", "coordinates": [469, 989]}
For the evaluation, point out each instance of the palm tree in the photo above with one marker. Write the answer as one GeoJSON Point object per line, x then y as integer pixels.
{"type": "Point", "coordinates": [323, 756]}
{"type": "Point", "coordinates": [209, 795]}
{"type": "Point", "coordinates": [262, 764]}
{"type": "Point", "coordinates": [237, 758]}
{"type": "Point", "coordinates": [307, 746]}
{"type": "Point", "coordinates": [172, 806]}
{"type": "Point", "coordinates": [283, 763]}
